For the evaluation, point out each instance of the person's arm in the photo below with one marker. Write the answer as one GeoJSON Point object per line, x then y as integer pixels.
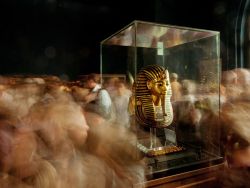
{"type": "Point", "coordinates": [90, 97]}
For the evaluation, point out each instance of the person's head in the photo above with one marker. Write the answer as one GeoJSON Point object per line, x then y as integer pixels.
{"type": "Point", "coordinates": [121, 88]}
{"type": "Point", "coordinates": [92, 80]}
{"type": "Point", "coordinates": [173, 77]}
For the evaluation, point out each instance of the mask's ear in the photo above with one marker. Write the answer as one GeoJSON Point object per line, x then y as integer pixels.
{"type": "Point", "coordinates": [149, 84]}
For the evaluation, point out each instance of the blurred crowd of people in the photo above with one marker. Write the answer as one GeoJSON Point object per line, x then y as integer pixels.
{"type": "Point", "coordinates": [49, 138]}
{"type": "Point", "coordinates": [217, 120]}
{"type": "Point", "coordinates": [60, 134]}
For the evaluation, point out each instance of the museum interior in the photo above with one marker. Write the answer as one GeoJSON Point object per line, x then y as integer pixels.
{"type": "Point", "coordinates": [140, 94]}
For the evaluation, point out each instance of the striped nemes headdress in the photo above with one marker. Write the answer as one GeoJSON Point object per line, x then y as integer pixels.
{"type": "Point", "coordinates": [144, 109]}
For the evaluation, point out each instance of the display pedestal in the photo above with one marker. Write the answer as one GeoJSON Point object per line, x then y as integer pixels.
{"type": "Point", "coordinates": [156, 146]}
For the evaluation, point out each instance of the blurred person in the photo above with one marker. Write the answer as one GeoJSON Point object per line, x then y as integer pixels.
{"type": "Point", "coordinates": [79, 94]}
{"type": "Point", "coordinates": [21, 166]}
{"type": "Point", "coordinates": [41, 147]}
{"type": "Point", "coordinates": [112, 154]}
{"type": "Point", "coordinates": [121, 101]}
{"type": "Point", "coordinates": [229, 77]}
{"type": "Point", "coordinates": [111, 86]}
{"type": "Point", "coordinates": [243, 76]}
{"type": "Point", "coordinates": [98, 100]}
{"type": "Point", "coordinates": [93, 85]}
{"type": "Point", "coordinates": [229, 83]}
{"type": "Point", "coordinates": [187, 120]}
{"type": "Point", "coordinates": [57, 91]}
{"type": "Point", "coordinates": [197, 118]}
{"type": "Point", "coordinates": [176, 87]}
{"type": "Point", "coordinates": [236, 144]}
{"type": "Point", "coordinates": [235, 128]}
{"type": "Point", "coordinates": [34, 80]}
{"type": "Point", "coordinates": [20, 97]}
{"type": "Point", "coordinates": [109, 153]}
{"type": "Point", "coordinates": [236, 83]}
{"type": "Point", "coordinates": [189, 90]}
{"type": "Point", "coordinates": [62, 131]}
{"type": "Point", "coordinates": [59, 129]}
{"type": "Point", "coordinates": [189, 87]}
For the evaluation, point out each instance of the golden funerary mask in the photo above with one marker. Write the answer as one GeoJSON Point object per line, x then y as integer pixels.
{"type": "Point", "coordinates": [152, 92]}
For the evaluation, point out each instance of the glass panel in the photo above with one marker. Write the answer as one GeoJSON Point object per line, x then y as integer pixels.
{"type": "Point", "coordinates": [184, 64]}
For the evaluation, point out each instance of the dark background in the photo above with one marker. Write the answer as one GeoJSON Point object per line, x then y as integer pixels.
{"type": "Point", "coordinates": [62, 37]}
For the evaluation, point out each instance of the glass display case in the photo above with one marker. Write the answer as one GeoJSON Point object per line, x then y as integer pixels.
{"type": "Point", "coordinates": [177, 128]}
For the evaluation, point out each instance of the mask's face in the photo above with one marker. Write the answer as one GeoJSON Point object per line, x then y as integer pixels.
{"type": "Point", "coordinates": [158, 87]}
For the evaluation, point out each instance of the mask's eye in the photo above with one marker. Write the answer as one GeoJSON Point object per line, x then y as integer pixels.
{"type": "Point", "coordinates": [160, 83]}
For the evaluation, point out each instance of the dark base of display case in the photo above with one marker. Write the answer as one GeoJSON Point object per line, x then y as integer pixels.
{"type": "Point", "coordinates": [206, 177]}
{"type": "Point", "coordinates": [165, 165]}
